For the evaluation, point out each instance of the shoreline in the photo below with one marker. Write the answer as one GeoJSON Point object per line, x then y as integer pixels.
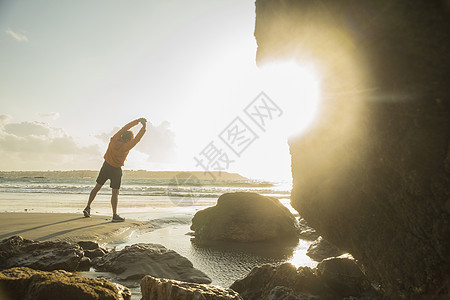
{"type": "Point", "coordinates": [224, 263]}
{"type": "Point", "coordinates": [66, 227]}
{"type": "Point", "coordinates": [148, 220]}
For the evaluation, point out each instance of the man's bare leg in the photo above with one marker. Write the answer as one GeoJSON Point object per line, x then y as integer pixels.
{"type": "Point", "coordinates": [87, 210]}
{"type": "Point", "coordinates": [114, 201]}
{"type": "Point", "coordinates": [93, 193]}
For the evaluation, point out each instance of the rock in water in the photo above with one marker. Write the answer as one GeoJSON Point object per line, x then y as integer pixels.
{"type": "Point", "coordinates": [321, 249]}
{"type": "Point", "coordinates": [136, 261]}
{"type": "Point", "coordinates": [342, 276]}
{"type": "Point", "coordinates": [47, 256]}
{"type": "Point", "coordinates": [88, 245]}
{"type": "Point", "coordinates": [85, 264]}
{"type": "Point", "coordinates": [372, 174]}
{"type": "Point", "coordinates": [245, 217]}
{"type": "Point", "coordinates": [166, 289]}
{"type": "Point", "coordinates": [306, 232]}
{"type": "Point", "coordinates": [92, 249]}
{"type": "Point", "coordinates": [25, 283]}
{"type": "Point", "coordinates": [285, 293]}
{"type": "Point", "coordinates": [334, 279]}
{"type": "Point", "coordinates": [258, 284]}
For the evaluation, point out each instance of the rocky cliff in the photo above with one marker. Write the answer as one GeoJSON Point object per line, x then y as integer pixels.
{"type": "Point", "coordinates": [372, 175]}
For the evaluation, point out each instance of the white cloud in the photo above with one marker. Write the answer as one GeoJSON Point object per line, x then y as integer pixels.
{"type": "Point", "coordinates": [36, 145]}
{"type": "Point", "coordinates": [158, 143]}
{"type": "Point", "coordinates": [20, 37]}
{"type": "Point", "coordinates": [49, 115]}
{"type": "Point", "coordinates": [105, 136]}
{"type": "Point", "coordinates": [25, 129]}
{"type": "Point", "coordinates": [4, 119]}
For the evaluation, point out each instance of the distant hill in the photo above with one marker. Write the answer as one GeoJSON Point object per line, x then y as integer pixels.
{"type": "Point", "coordinates": [133, 174]}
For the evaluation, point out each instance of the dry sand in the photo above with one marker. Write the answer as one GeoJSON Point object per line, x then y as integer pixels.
{"type": "Point", "coordinates": [66, 227]}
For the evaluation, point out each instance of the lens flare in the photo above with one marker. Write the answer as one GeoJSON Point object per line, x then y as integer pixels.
{"type": "Point", "coordinates": [296, 90]}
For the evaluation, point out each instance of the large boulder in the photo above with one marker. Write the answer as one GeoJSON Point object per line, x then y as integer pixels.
{"type": "Point", "coordinates": [138, 260]}
{"type": "Point", "coordinates": [334, 278]}
{"type": "Point", "coordinates": [245, 217]}
{"type": "Point", "coordinates": [26, 284]}
{"type": "Point", "coordinates": [372, 174]}
{"type": "Point", "coordinates": [165, 289]}
{"type": "Point", "coordinates": [19, 252]}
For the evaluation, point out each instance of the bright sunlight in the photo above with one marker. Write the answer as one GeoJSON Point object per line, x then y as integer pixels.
{"type": "Point", "coordinates": [296, 89]}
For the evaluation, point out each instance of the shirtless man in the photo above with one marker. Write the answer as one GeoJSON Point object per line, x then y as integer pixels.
{"type": "Point", "coordinates": [119, 147]}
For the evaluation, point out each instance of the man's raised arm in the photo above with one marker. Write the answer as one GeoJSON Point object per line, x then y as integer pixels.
{"type": "Point", "coordinates": [126, 127]}
{"type": "Point", "coordinates": [140, 134]}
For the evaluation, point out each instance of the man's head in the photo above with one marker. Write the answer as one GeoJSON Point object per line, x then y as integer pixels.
{"type": "Point", "coordinates": [126, 136]}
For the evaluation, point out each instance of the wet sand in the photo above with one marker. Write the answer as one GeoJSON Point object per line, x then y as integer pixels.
{"type": "Point", "coordinates": [66, 227]}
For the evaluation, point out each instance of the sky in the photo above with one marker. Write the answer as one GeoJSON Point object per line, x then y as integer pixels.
{"type": "Point", "coordinates": [73, 72]}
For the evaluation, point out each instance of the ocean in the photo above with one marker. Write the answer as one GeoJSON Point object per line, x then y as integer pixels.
{"type": "Point", "coordinates": [169, 206]}
{"type": "Point", "coordinates": [145, 187]}
{"type": "Point", "coordinates": [137, 197]}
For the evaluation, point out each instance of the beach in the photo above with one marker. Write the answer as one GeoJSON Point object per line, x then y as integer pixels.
{"type": "Point", "coordinates": [66, 227]}
{"type": "Point", "coordinates": [46, 209]}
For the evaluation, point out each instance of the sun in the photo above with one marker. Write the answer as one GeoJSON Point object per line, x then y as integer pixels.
{"type": "Point", "coordinates": [296, 90]}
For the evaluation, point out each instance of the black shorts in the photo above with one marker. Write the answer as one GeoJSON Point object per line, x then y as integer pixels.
{"type": "Point", "coordinates": [109, 172]}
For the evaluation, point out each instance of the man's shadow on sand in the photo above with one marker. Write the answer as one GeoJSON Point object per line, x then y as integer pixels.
{"type": "Point", "coordinates": [49, 236]}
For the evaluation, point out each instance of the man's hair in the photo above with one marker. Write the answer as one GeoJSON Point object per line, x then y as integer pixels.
{"type": "Point", "coordinates": [126, 136]}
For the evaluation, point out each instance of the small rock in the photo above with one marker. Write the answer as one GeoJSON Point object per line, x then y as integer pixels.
{"type": "Point", "coordinates": [138, 260]}
{"type": "Point", "coordinates": [47, 256]}
{"type": "Point", "coordinates": [88, 245]}
{"type": "Point", "coordinates": [334, 278]}
{"type": "Point", "coordinates": [285, 293]}
{"type": "Point", "coordinates": [26, 283]}
{"type": "Point", "coordinates": [321, 249]}
{"type": "Point", "coordinates": [306, 232]}
{"type": "Point", "coordinates": [165, 289]}
{"type": "Point", "coordinates": [85, 264]}
{"type": "Point", "coordinates": [261, 280]}
{"type": "Point", "coordinates": [342, 276]}
{"type": "Point", "coordinates": [92, 249]}
{"type": "Point", "coordinates": [99, 252]}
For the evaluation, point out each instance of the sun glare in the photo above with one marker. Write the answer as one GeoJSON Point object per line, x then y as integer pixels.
{"type": "Point", "coordinates": [296, 90]}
